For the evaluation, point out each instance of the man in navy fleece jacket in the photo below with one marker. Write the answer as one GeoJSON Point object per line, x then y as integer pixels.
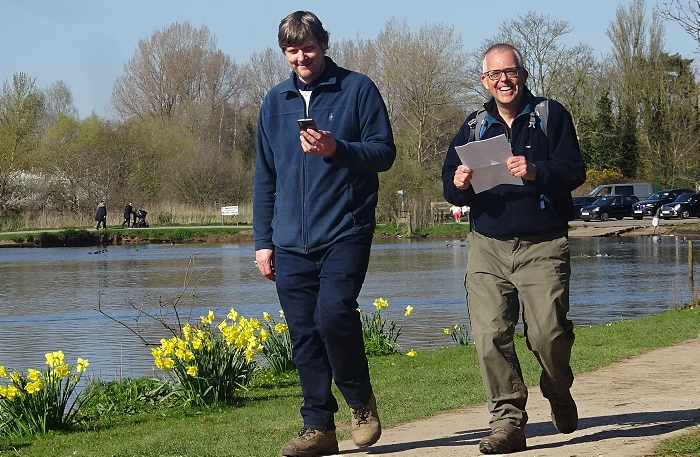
{"type": "Point", "coordinates": [518, 249]}
{"type": "Point", "coordinates": [314, 203]}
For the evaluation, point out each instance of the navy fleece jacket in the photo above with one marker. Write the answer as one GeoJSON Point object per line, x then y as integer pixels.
{"type": "Point", "coordinates": [537, 207]}
{"type": "Point", "coordinates": [301, 202]}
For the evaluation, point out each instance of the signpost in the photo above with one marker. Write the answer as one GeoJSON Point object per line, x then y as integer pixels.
{"type": "Point", "coordinates": [229, 211]}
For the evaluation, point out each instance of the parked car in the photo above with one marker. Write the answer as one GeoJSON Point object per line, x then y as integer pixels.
{"type": "Point", "coordinates": [686, 205]}
{"type": "Point", "coordinates": [641, 190]}
{"type": "Point", "coordinates": [580, 201]}
{"type": "Point", "coordinates": [608, 206]}
{"type": "Point", "coordinates": [649, 206]}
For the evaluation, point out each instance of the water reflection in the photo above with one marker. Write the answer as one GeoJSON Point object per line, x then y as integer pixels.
{"type": "Point", "coordinates": [49, 297]}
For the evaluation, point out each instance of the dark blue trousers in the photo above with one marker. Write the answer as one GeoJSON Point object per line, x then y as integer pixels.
{"type": "Point", "coordinates": [318, 293]}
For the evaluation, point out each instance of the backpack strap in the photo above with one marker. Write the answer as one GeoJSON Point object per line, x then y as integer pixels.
{"type": "Point", "coordinates": [541, 111]}
{"type": "Point", "coordinates": [480, 120]}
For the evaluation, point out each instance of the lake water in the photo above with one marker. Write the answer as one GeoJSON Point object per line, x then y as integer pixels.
{"type": "Point", "coordinates": [49, 297]}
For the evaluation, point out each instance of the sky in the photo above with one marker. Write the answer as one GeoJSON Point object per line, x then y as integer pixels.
{"type": "Point", "coordinates": [86, 43]}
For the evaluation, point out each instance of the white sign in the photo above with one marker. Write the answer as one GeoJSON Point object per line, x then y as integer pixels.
{"type": "Point", "coordinates": [229, 210]}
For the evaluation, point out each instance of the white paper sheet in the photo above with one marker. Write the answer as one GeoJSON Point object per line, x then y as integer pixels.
{"type": "Point", "coordinates": [487, 159]}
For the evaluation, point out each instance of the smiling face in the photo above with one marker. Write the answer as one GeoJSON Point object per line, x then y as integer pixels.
{"type": "Point", "coordinates": [508, 92]}
{"type": "Point", "coordinates": [306, 59]}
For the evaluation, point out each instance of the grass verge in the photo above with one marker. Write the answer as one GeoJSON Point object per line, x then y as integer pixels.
{"type": "Point", "coordinates": [267, 414]}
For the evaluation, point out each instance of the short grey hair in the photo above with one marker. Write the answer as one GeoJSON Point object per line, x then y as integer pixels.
{"type": "Point", "coordinates": [502, 47]}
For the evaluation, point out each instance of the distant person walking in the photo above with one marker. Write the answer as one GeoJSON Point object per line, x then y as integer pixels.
{"type": "Point", "coordinates": [655, 222]}
{"type": "Point", "coordinates": [128, 211]}
{"type": "Point", "coordinates": [456, 213]}
{"type": "Point", "coordinates": [101, 216]}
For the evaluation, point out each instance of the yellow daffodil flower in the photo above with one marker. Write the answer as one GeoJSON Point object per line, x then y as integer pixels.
{"type": "Point", "coordinates": [380, 304]}
{"type": "Point", "coordinates": [281, 328]}
{"type": "Point", "coordinates": [411, 353]}
{"type": "Point", "coordinates": [62, 371]}
{"type": "Point", "coordinates": [266, 316]}
{"type": "Point", "coordinates": [209, 318]}
{"type": "Point", "coordinates": [3, 372]}
{"type": "Point", "coordinates": [33, 375]}
{"type": "Point", "coordinates": [232, 315]}
{"type": "Point", "coordinates": [409, 310]}
{"type": "Point", "coordinates": [54, 359]}
{"type": "Point", "coordinates": [192, 370]}
{"type": "Point", "coordinates": [82, 365]}
{"type": "Point", "coordinates": [447, 331]}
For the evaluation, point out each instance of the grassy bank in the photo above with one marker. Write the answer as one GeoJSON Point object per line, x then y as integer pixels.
{"type": "Point", "coordinates": [267, 414]}
{"type": "Point", "coordinates": [82, 237]}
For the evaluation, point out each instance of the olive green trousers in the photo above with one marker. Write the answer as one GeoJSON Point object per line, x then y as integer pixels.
{"type": "Point", "coordinates": [502, 274]}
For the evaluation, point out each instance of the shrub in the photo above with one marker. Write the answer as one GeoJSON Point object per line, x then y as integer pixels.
{"type": "Point", "coordinates": [40, 400]}
{"type": "Point", "coordinates": [277, 344]}
{"type": "Point", "coordinates": [380, 335]}
{"type": "Point", "coordinates": [211, 365]}
{"type": "Point", "coordinates": [459, 334]}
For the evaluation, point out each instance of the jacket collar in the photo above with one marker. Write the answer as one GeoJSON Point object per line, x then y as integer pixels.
{"type": "Point", "coordinates": [527, 105]}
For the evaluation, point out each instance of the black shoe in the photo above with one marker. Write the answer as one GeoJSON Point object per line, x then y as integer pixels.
{"type": "Point", "coordinates": [501, 441]}
{"type": "Point", "coordinates": [564, 414]}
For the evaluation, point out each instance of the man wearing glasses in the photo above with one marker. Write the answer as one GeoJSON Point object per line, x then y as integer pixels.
{"type": "Point", "coordinates": [518, 249]}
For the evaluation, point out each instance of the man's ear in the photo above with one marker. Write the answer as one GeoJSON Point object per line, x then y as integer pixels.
{"type": "Point", "coordinates": [526, 74]}
{"type": "Point", "coordinates": [484, 82]}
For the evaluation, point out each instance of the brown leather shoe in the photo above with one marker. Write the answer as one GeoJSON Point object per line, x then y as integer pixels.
{"type": "Point", "coordinates": [311, 443]}
{"type": "Point", "coordinates": [501, 441]}
{"type": "Point", "coordinates": [564, 414]}
{"type": "Point", "coordinates": [366, 428]}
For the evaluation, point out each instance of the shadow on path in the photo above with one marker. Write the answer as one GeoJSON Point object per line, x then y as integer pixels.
{"type": "Point", "coordinates": [632, 425]}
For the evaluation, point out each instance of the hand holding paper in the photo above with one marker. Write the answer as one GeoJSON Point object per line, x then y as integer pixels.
{"type": "Point", "coordinates": [487, 159]}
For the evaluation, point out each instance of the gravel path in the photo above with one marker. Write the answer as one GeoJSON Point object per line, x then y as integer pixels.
{"type": "Point", "coordinates": [625, 409]}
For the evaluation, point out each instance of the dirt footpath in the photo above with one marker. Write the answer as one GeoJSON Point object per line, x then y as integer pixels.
{"type": "Point", "coordinates": [625, 409]}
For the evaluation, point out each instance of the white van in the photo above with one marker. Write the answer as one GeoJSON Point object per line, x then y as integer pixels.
{"type": "Point", "coordinates": [640, 190]}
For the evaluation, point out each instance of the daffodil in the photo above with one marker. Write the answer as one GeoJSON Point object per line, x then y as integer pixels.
{"type": "Point", "coordinates": [209, 318]}
{"type": "Point", "coordinates": [281, 328]}
{"type": "Point", "coordinates": [380, 304]}
{"type": "Point", "coordinates": [192, 370]}
{"type": "Point", "coordinates": [33, 375]}
{"type": "Point", "coordinates": [11, 392]}
{"type": "Point", "coordinates": [3, 372]}
{"type": "Point", "coordinates": [447, 331]}
{"type": "Point", "coordinates": [62, 371]}
{"type": "Point", "coordinates": [82, 365]}
{"type": "Point", "coordinates": [409, 310]}
{"type": "Point", "coordinates": [411, 353]}
{"type": "Point", "coordinates": [54, 359]}
{"type": "Point", "coordinates": [282, 313]}
{"type": "Point", "coordinates": [232, 315]}
{"type": "Point", "coordinates": [266, 316]}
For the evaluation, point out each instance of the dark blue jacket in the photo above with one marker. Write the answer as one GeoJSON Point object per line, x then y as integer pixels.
{"type": "Point", "coordinates": [536, 208]}
{"type": "Point", "coordinates": [301, 202]}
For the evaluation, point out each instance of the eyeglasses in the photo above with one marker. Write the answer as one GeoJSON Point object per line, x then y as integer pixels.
{"type": "Point", "coordinates": [495, 75]}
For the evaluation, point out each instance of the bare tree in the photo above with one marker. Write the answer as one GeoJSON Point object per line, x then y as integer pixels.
{"type": "Point", "coordinates": [687, 14]}
{"type": "Point", "coordinates": [178, 69]}
{"type": "Point", "coordinates": [422, 75]}
{"type": "Point", "coordinates": [635, 40]}
{"type": "Point", "coordinates": [556, 70]}
{"type": "Point", "coordinates": [59, 100]}
{"type": "Point", "coordinates": [262, 72]}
